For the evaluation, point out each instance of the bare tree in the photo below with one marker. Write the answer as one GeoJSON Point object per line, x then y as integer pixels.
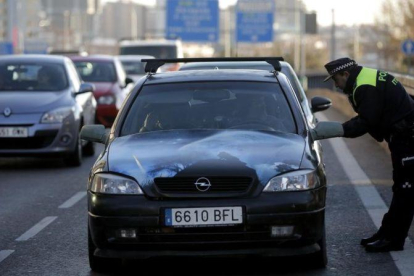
{"type": "Point", "coordinates": [396, 23]}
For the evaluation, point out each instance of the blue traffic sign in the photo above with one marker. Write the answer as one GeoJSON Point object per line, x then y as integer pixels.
{"type": "Point", "coordinates": [407, 47]}
{"type": "Point", "coordinates": [193, 20]}
{"type": "Point", "coordinates": [6, 48]}
{"type": "Point", "coordinates": [255, 21]}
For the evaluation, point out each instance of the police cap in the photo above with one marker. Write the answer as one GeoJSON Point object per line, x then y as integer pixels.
{"type": "Point", "coordinates": [339, 65]}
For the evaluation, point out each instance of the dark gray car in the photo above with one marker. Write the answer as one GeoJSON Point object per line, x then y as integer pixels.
{"type": "Point", "coordinates": [208, 163]}
{"type": "Point", "coordinates": [43, 105]}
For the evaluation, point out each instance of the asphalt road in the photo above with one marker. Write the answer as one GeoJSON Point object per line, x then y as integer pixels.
{"type": "Point", "coordinates": [43, 221]}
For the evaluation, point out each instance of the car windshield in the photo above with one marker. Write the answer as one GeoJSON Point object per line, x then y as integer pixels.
{"type": "Point", "coordinates": [161, 51]}
{"type": "Point", "coordinates": [133, 67]}
{"type": "Point", "coordinates": [96, 71]}
{"type": "Point", "coordinates": [250, 65]}
{"type": "Point", "coordinates": [32, 77]}
{"type": "Point", "coordinates": [213, 105]}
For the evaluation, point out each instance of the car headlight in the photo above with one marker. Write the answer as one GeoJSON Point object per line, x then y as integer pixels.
{"type": "Point", "coordinates": [114, 184]}
{"type": "Point", "coordinates": [57, 115]}
{"type": "Point", "coordinates": [106, 100]}
{"type": "Point", "coordinates": [293, 181]}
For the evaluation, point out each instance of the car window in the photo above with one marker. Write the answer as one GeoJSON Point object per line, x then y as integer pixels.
{"type": "Point", "coordinates": [294, 81]}
{"type": "Point", "coordinates": [133, 67]}
{"type": "Point", "coordinates": [214, 105]}
{"type": "Point", "coordinates": [96, 71]}
{"type": "Point", "coordinates": [32, 77]}
{"type": "Point", "coordinates": [158, 51]}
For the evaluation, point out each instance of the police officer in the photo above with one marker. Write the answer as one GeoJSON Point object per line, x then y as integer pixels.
{"type": "Point", "coordinates": [386, 112]}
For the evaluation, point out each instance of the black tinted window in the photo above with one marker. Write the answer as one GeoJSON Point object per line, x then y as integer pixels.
{"type": "Point", "coordinates": [96, 71]}
{"type": "Point", "coordinates": [133, 67]}
{"type": "Point", "coordinates": [32, 77]}
{"type": "Point", "coordinates": [156, 51]}
{"type": "Point", "coordinates": [216, 105]}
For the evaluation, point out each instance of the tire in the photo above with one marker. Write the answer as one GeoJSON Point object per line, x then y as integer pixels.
{"type": "Point", "coordinates": [320, 258]}
{"type": "Point", "coordinates": [89, 149]}
{"type": "Point", "coordinates": [99, 264]}
{"type": "Point", "coordinates": [75, 158]}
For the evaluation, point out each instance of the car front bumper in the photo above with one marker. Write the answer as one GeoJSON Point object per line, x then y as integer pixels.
{"type": "Point", "coordinates": [54, 140]}
{"type": "Point", "coordinates": [302, 210]}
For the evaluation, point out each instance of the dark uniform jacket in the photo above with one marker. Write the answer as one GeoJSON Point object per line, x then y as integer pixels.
{"type": "Point", "coordinates": [380, 101]}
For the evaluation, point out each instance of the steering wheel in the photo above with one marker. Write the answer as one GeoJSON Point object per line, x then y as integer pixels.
{"type": "Point", "coordinates": [252, 123]}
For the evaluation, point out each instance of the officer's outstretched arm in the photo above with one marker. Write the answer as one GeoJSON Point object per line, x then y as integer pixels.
{"type": "Point", "coordinates": [355, 127]}
{"type": "Point", "coordinates": [325, 130]}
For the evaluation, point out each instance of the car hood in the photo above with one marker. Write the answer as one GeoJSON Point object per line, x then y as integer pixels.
{"type": "Point", "coordinates": [102, 88]}
{"type": "Point", "coordinates": [26, 102]}
{"type": "Point", "coordinates": [205, 153]}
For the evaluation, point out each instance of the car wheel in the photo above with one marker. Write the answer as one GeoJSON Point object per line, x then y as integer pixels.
{"type": "Point", "coordinates": [75, 158]}
{"type": "Point", "coordinates": [89, 149]}
{"type": "Point", "coordinates": [320, 258]}
{"type": "Point", "coordinates": [99, 264]}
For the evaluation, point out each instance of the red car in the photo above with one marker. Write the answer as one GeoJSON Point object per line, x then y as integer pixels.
{"type": "Point", "coordinates": [112, 84]}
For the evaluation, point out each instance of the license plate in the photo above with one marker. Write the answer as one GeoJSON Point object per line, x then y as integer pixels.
{"type": "Point", "coordinates": [198, 217]}
{"type": "Point", "coordinates": [7, 132]}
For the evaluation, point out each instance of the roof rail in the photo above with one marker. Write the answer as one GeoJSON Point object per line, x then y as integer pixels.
{"type": "Point", "coordinates": [153, 64]}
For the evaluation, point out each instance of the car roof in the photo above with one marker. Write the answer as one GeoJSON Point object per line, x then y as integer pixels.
{"type": "Point", "coordinates": [128, 43]}
{"type": "Point", "coordinates": [212, 75]}
{"type": "Point", "coordinates": [259, 65]}
{"type": "Point", "coordinates": [134, 57]}
{"type": "Point", "coordinates": [33, 58]}
{"type": "Point", "coordinates": [93, 58]}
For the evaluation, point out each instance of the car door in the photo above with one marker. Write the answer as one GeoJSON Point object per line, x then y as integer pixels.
{"type": "Point", "coordinates": [86, 101]}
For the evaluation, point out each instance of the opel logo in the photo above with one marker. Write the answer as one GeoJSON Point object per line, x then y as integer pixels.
{"type": "Point", "coordinates": [7, 112]}
{"type": "Point", "coordinates": [203, 184]}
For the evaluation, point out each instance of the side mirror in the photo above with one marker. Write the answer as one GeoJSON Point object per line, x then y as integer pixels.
{"type": "Point", "coordinates": [326, 130]}
{"type": "Point", "coordinates": [320, 104]}
{"type": "Point", "coordinates": [85, 88]}
{"type": "Point", "coordinates": [94, 133]}
{"type": "Point", "coordinates": [128, 80]}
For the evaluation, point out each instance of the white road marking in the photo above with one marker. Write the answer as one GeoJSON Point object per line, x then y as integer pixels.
{"type": "Point", "coordinates": [73, 200]}
{"type": "Point", "coordinates": [371, 200]}
{"type": "Point", "coordinates": [4, 254]}
{"type": "Point", "coordinates": [36, 229]}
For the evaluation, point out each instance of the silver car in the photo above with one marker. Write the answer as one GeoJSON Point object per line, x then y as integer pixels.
{"type": "Point", "coordinates": [43, 106]}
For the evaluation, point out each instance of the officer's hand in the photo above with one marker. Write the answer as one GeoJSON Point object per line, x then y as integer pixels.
{"type": "Point", "coordinates": [325, 130]}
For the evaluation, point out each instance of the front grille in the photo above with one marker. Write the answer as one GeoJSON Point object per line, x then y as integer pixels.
{"type": "Point", "coordinates": [42, 139]}
{"type": "Point", "coordinates": [218, 184]}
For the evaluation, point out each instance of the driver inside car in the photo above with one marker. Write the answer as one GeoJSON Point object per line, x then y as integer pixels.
{"type": "Point", "coordinates": [252, 111]}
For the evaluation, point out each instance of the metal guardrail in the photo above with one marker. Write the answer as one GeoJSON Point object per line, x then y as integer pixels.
{"type": "Point", "coordinates": [407, 81]}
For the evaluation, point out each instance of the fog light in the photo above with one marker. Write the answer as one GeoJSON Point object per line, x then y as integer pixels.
{"type": "Point", "coordinates": [281, 231]}
{"type": "Point", "coordinates": [127, 233]}
{"type": "Point", "coordinates": [65, 139]}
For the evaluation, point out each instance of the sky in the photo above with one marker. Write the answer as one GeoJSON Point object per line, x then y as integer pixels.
{"type": "Point", "coordinates": [347, 12]}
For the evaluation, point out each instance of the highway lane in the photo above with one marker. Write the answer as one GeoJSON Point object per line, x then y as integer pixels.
{"type": "Point", "coordinates": [32, 190]}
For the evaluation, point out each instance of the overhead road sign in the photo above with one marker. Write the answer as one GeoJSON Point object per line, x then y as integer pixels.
{"type": "Point", "coordinates": [255, 21]}
{"type": "Point", "coordinates": [193, 20]}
